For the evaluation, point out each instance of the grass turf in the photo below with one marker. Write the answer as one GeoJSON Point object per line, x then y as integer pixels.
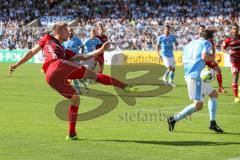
{"type": "Point", "coordinates": [30, 129]}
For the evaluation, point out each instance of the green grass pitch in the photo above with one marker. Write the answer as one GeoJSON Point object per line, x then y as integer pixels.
{"type": "Point", "coordinates": [30, 129]}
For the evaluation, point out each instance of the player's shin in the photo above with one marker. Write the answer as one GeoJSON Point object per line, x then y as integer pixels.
{"type": "Point", "coordinates": [107, 80]}
{"type": "Point", "coordinates": [235, 89]}
{"type": "Point", "coordinates": [235, 84]}
{"type": "Point", "coordinates": [185, 112]}
{"type": "Point", "coordinates": [219, 79]}
{"type": "Point", "coordinates": [171, 76]}
{"type": "Point", "coordinates": [212, 108]}
{"type": "Point", "coordinates": [72, 118]}
{"type": "Point", "coordinates": [165, 76]}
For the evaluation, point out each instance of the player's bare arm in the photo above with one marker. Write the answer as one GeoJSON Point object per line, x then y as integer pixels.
{"type": "Point", "coordinates": [158, 51]}
{"type": "Point", "coordinates": [206, 57]}
{"type": "Point", "coordinates": [27, 56]}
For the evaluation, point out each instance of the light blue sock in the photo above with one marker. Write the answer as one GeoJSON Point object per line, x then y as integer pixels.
{"type": "Point", "coordinates": [212, 108]}
{"type": "Point", "coordinates": [77, 85]}
{"type": "Point", "coordinates": [165, 76]}
{"type": "Point", "coordinates": [185, 112]}
{"type": "Point", "coordinates": [82, 81]}
{"type": "Point", "coordinates": [171, 75]}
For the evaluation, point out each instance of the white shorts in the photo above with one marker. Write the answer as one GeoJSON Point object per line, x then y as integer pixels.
{"type": "Point", "coordinates": [168, 61]}
{"type": "Point", "coordinates": [197, 89]}
{"type": "Point", "coordinates": [88, 63]}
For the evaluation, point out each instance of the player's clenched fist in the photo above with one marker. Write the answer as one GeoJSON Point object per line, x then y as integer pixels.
{"type": "Point", "coordinates": [105, 46]}
{"type": "Point", "coordinates": [12, 68]}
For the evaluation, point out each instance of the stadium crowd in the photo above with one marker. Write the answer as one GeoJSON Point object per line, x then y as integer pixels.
{"type": "Point", "coordinates": [126, 22]}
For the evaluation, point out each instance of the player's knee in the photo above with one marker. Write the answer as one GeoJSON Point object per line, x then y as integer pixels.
{"type": "Point", "coordinates": [213, 94]}
{"type": "Point", "coordinates": [75, 100]}
{"type": "Point", "coordinates": [218, 70]}
{"type": "Point", "coordinates": [235, 77]}
{"type": "Point", "coordinates": [199, 106]}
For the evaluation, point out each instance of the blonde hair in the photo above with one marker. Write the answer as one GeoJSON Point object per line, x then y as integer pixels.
{"type": "Point", "coordinates": [58, 26]}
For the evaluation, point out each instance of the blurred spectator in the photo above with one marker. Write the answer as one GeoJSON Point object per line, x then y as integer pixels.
{"type": "Point", "coordinates": [127, 22]}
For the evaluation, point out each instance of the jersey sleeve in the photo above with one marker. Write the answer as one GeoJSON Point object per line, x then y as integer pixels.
{"type": "Point", "coordinates": [225, 43]}
{"type": "Point", "coordinates": [207, 48]}
{"type": "Point", "coordinates": [42, 41]}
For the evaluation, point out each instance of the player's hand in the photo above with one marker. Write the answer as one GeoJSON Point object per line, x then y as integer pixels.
{"type": "Point", "coordinates": [12, 68]}
{"type": "Point", "coordinates": [105, 46]}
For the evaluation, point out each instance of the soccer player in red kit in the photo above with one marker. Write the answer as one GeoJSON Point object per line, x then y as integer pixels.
{"type": "Point", "coordinates": [233, 44]}
{"type": "Point", "coordinates": [213, 64]}
{"type": "Point", "coordinates": [59, 66]}
{"type": "Point", "coordinates": [100, 58]}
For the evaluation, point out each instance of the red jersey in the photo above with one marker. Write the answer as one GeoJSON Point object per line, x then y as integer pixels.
{"type": "Point", "coordinates": [103, 38]}
{"type": "Point", "coordinates": [53, 50]}
{"type": "Point", "coordinates": [234, 46]}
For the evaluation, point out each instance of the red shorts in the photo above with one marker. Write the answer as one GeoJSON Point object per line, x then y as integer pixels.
{"type": "Point", "coordinates": [211, 64]}
{"type": "Point", "coordinates": [59, 72]}
{"type": "Point", "coordinates": [235, 67]}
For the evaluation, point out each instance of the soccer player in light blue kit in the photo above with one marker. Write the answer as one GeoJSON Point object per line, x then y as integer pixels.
{"type": "Point", "coordinates": [165, 43]}
{"type": "Point", "coordinates": [75, 44]}
{"type": "Point", "coordinates": [90, 45]}
{"type": "Point", "coordinates": [195, 54]}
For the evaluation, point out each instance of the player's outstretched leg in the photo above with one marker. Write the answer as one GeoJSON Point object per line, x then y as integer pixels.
{"type": "Point", "coordinates": [108, 80]}
{"type": "Point", "coordinates": [183, 114]}
{"type": "Point", "coordinates": [212, 108]}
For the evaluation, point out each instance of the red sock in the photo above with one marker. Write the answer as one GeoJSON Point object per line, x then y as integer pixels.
{"type": "Point", "coordinates": [107, 80]}
{"type": "Point", "coordinates": [72, 118]}
{"type": "Point", "coordinates": [235, 89]}
{"type": "Point", "coordinates": [219, 79]}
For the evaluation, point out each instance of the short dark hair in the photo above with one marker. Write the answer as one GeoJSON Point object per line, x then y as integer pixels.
{"type": "Point", "coordinates": [202, 26]}
{"type": "Point", "coordinates": [235, 25]}
{"type": "Point", "coordinates": [206, 34]}
{"type": "Point", "coordinates": [167, 26]}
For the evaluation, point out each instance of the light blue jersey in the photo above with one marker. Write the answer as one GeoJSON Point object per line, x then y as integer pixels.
{"type": "Point", "coordinates": [166, 44]}
{"type": "Point", "coordinates": [192, 57]}
{"type": "Point", "coordinates": [73, 44]}
{"type": "Point", "coordinates": [91, 44]}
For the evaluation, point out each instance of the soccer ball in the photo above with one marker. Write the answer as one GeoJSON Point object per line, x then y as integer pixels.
{"type": "Point", "coordinates": [207, 75]}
